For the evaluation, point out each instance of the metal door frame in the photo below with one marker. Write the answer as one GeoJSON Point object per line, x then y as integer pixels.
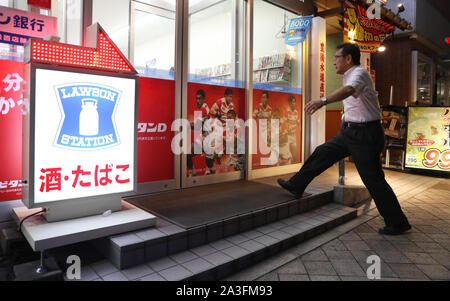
{"type": "Point", "coordinates": [181, 83]}
{"type": "Point", "coordinates": [305, 69]}
{"type": "Point", "coordinates": [215, 178]}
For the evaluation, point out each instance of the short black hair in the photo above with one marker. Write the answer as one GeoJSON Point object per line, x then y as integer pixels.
{"type": "Point", "coordinates": [265, 93]}
{"type": "Point", "coordinates": [232, 112]}
{"type": "Point", "coordinates": [291, 98]}
{"type": "Point", "coordinates": [353, 50]}
{"type": "Point", "coordinates": [228, 91]}
{"type": "Point", "coordinates": [201, 93]}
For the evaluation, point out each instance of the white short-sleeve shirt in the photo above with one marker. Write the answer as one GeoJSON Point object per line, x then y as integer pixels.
{"type": "Point", "coordinates": [363, 105]}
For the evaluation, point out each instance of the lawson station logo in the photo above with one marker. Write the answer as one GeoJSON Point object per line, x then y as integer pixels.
{"type": "Point", "coordinates": [87, 121]}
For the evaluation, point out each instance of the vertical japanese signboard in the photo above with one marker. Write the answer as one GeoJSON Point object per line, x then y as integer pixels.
{"type": "Point", "coordinates": [80, 124]}
{"type": "Point", "coordinates": [322, 55]}
{"type": "Point", "coordinates": [428, 140]}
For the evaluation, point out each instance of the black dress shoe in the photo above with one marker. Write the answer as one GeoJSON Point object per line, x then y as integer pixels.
{"type": "Point", "coordinates": [394, 230]}
{"type": "Point", "coordinates": [289, 187]}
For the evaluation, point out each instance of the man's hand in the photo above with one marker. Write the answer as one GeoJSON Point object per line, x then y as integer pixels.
{"type": "Point", "coordinates": [312, 106]}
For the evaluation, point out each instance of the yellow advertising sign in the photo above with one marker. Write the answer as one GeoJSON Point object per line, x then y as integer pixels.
{"type": "Point", "coordinates": [428, 140]}
{"type": "Point", "coordinates": [367, 32]}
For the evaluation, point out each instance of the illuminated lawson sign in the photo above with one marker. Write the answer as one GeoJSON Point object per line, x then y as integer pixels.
{"type": "Point", "coordinates": [88, 116]}
{"type": "Point", "coordinates": [80, 126]}
{"type": "Point", "coordinates": [78, 152]}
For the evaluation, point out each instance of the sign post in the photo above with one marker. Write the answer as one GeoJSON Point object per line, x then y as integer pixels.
{"type": "Point", "coordinates": [79, 127]}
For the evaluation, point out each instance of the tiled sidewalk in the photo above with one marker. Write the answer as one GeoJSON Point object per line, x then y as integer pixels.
{"type": "Point", "coordinates": [341, 253]}
{"type": "Point", "coordinates": [420, 254]}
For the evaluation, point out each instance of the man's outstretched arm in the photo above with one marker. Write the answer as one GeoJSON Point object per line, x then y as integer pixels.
{"type": "Point", "coordinates": [338, 95]}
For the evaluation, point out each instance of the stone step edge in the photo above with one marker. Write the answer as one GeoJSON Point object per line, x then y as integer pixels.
{"type": "Point", "coordinates": [218, 272]}
{"type": "Point", "coordinates": [299, 233]}
{"type": "Point", "coordinates": [192, 238]}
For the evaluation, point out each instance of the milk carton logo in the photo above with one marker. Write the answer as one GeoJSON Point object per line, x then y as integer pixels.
{"type": "Point", "coordinates": [88, 112]}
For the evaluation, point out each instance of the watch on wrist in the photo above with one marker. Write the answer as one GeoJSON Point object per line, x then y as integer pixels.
{"type": "Point", "coordinates": [325, 100]}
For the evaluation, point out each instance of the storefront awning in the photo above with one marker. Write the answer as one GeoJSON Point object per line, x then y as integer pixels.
{"type": "Point", "coordinates": [389, 16]}
{"type": "Point", "coordinates": [337, 8]}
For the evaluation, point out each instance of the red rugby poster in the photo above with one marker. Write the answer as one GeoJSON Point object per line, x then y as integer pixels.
{"type": "Point", "coordinates": [285, 107]}
{"type": "Point", "coordinates": [216, 104]}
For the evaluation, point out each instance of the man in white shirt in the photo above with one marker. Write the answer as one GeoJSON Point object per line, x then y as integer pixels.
{"type": "Point", "coordinates": [361, 136]}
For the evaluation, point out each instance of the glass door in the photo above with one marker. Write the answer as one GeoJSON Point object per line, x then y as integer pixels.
{"type": "Point", "coordinates": [214, 102]}
{"type": "Point", "coordinates": [277, 93]}
{"type": "Point", "coordinates": [191, 56]}
{"type": "Point", "coordinates": [152, 52]}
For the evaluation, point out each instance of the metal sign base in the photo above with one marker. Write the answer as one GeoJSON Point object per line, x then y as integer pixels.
{"type": "Point", "coordinates": [71, 210]}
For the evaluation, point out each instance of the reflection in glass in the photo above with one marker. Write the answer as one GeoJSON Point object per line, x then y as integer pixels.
{"type": "Point", "coordinates": [154, 40]}
{"type": "Point", "coordinates": [276, 88]}
{"type": "Point", "coordinates": [211, 34]}
{"type": "Point", "coordinates": [113, 16]}
{"type": "Point", "coordinates": [424, 80]}
{"type": "Point", "coordinates": [274, 62]}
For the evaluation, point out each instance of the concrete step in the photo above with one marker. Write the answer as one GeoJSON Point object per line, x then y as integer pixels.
{"type": "Point", "coordinates": [10, 238]}
{"type": "Point", "coordinates": [137, 247]}
{"type": "Point", "coordinates": [221, 258]}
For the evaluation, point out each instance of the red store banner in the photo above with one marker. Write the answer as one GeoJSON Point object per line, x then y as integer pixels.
{"type": "Point", "coordinates": [156, 112]}
{"type": "Point", "coordinates": [11, 101]}
{"type": "Point", "coordinates": [45, 4]}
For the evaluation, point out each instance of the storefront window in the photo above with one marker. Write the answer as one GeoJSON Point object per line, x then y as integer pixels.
{"type": "Point", "coordinates": [21, 4]}
{"type": "Point", "coordinates": [215, 37]}
{"type": "Point", "coordinates": [154, 50]}
{"type": "Point", "coordinates": [274, 62]}
{"type": "Point", "coordinates": [114, 17]}
{"type": "Point", "coordinates": [153, 56]}
{"type": "Point", "coordinates": [69, 21]}
{"type": "Point", "coordinates": [425, 74]}
{"type": "Point", "coordinates": [276, 86]}
{"type": "Point", "coordinates": [215, 81]}
{"type": "Point", "coordinates": [443, 85]}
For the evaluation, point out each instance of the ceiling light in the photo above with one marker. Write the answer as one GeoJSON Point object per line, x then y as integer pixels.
{"type": "Point", "coordinates": [401, 8]}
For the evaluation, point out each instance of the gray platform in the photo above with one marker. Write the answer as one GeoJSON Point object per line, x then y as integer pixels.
{"type": "Point", "coordinates": [198, 206]}
{"type": "Point", "coordinates": [42, 235]}
{"type": "Point", "coordinates": [134, 248]}
{"type": "Point", "coordinates": [214, 260]}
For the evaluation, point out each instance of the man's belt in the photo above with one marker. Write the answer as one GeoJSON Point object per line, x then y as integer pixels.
{"type": "Point", "coordinates": [361, 124]}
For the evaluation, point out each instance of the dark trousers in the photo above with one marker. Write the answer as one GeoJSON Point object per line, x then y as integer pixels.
{"type": "Point", "coordinates": [364, 144]}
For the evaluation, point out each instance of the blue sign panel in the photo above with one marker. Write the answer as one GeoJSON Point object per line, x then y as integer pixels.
{"type": "Point", "coordinates": [87, 116]}
{"type": "Point", "coordinates": [298, 29]}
